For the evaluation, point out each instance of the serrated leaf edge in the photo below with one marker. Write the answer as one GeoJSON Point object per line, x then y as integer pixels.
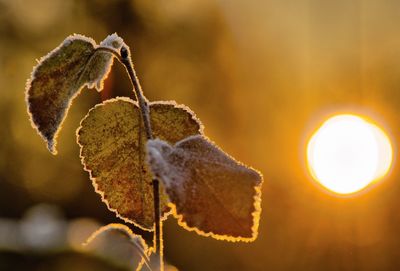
{"type": "Point", "coordinates": [256, 214]}
{"type": "Point", "coordinates": [101, 193]}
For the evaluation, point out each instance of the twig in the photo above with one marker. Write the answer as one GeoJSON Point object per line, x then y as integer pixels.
{"type": "Point", "coordinates": [125, 59]}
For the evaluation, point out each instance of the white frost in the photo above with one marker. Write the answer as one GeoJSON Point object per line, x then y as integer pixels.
{"type": "Point", "coordinates": [101, 62]}
{"type": "Point", "coordinates": [113, 41]}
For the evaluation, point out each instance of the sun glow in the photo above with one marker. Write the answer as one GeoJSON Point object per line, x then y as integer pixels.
{"type": "Point", "coordinates": [347, 153]}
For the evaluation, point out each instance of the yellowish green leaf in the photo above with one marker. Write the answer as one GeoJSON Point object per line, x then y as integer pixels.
{"type": "Point", "coordinates": [112, 140]}
{"type": "Point", "coordinates": [211, 192]}
{"type": "Point", "coordinates": [60, 75]}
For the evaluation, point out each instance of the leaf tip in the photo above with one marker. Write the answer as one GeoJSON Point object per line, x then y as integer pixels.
{"type": "Point", "coordinates": [51, 146]}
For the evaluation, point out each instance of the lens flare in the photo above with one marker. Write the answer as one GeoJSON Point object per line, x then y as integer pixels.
{"type": "Point", "coordinates": [348, 153]}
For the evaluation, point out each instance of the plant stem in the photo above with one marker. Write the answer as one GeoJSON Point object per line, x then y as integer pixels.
{"type": "Point", "coordinates": [145, 112]}
{"type": "Point", "coordinates": [143, 103]}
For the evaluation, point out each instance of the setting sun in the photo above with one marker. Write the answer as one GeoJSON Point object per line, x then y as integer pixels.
{"type": "Point", "coordinates": [347, 153]}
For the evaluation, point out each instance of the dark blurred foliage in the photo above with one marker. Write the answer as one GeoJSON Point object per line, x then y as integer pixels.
{"type": "Point", "coordinates": [260, 75]}
{"type": "Point", "coordinates": [54, 261]}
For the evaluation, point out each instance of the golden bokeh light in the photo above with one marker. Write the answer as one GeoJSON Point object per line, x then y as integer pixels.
{"type": "Point", "coordinates": [348, 153]}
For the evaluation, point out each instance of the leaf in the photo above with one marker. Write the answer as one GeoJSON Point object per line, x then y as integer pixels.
{"type": "Point", "coordinates": [59, 77]}
{"type": "Point", "coordinates": [213, 194]}
{"type": "Point", "coordinates": [112, 140]}
{"type": "Point", "coordinates": [107, 242]}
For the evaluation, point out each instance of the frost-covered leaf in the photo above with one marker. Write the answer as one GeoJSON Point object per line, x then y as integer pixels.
{"type": "Point", "coordinates": [112, 140]}
{"type": "Point", "coordinates": [213, 194]}
{"type": "Point", "coordinates": [118, 243]}
{"type": "Point", "coordinates": [60, 75]}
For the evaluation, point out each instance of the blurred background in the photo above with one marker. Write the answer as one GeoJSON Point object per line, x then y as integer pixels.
{"type": "Point", "coordinates": [261, 75]}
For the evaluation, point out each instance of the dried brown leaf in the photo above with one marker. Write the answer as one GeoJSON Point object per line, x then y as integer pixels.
{"type": "Point", "coordinates": [212, 193]}
{"type": "Point", "coordinates": [112, 140]}
{"type": "Point", "coordinates": [58, 78]}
